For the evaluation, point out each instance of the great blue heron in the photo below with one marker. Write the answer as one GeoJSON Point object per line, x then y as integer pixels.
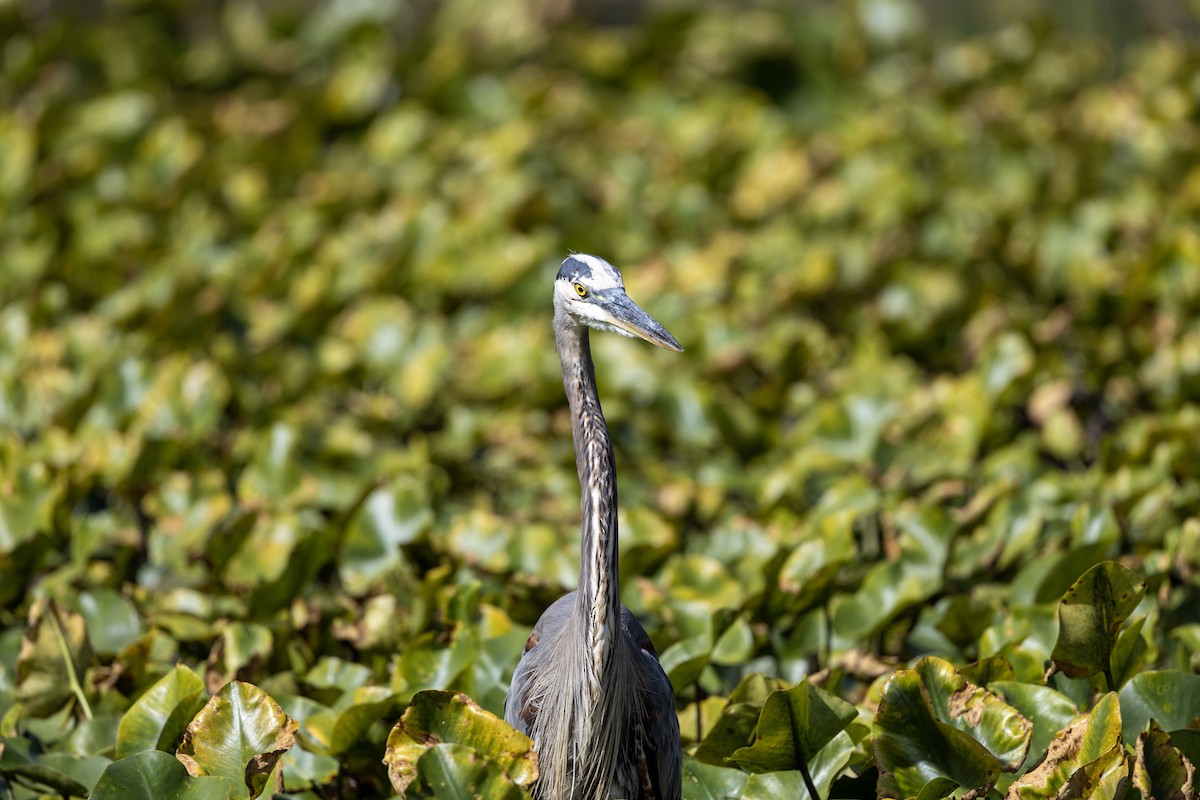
{"type": "Point", "coordinates": [589, 689]}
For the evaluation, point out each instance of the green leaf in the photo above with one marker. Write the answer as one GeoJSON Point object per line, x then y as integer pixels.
{"type": "Point", "coordinates": [1044, 580]}
{"type": "Point", "coordinates": [734, 727]}
{"type": "Point", "coordinates": [430, 663]}
{"type": "Point", "coordinates": [455, 772]}
{"type": "Point", "coordinates": [154, 775]}
{"type": "Point", "coordinates": [1169, 697]}
{"type": "Point", "coordinates": [436, 717]}
{"type": "Point", "coordinates": [708, 782]}
{"type": "Point", "coordinates": [685, 660]}
{"type": "Point", "coordinates": [1188, 743]}
{"type": "Point", "coordinates": [937, 789]}
{"type": "Point", "coordinates": [337, 675]}
{"type": "Point", "coordinates": [771, 785]}
{"type": "Point", "coordinates": [158, 719]}
{"type": "Point", "coordinates": [303, 767]}
{"type": "Point", "coordinates": [337, 729]}
{"type": "Point", "coordinates": [1130, 652]}
{"type": "Point", "coordinates": [240, 645]}
{"type": "Point", "coordinates": [390, 517]}
{"type": "Point", "coordinates": [1090, 615]}
{"type": "Point", "coordinates": [975, 711]}
{"type": "Point", "coordinates": [735, 644]}
{"type": "Point", "coordinates": [84, 770]}
{"type": "Point", "coordinates": [17, 761]}
{"type": "Point", "coordinates": [1048, 710]}
{"type": "Point", "coordinates": [824, 768]}
{"type": "Point", "coordinates": [815, 562]}
{"type": "Point", "coordinates": [240, 735]}
{"type": "Point", "coordinates": [95, 735]}
{"type": "Point", "coordinates": [986, 671]}
{"type": "Point", "coordinates": [55, 654]}
{"type": "Point", "coordinates": [27, 505]}
{"type": "Point", "coordinates": [274, 477]}
{"type": "Point", "coordinates": [112, 622]}
{"type": "Point", "coordinates": [892, 586]}
{"type": "Point", "coordinates": [793, 726]}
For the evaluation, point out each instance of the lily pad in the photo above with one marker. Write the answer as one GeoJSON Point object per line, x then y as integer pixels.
{"type": "Point", "coordinates": [239, 735]}
{"type": "Point", "coordinates": [927, 723]}
{"type": "Point", "coordinates": [154, 775]}
{"type": "Point", "coordinates": [436, 718]}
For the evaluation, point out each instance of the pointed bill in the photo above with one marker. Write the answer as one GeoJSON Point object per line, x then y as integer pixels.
{"type": "Point", "coordinates": [628, 317]}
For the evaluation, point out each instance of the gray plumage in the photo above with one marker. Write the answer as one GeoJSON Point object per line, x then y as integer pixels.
{"type": "Point", "coordinates": [589, 689]}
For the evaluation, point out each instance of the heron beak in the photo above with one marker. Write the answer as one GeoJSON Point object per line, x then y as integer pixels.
{"type": "Point", "coordinates": [628, 316]}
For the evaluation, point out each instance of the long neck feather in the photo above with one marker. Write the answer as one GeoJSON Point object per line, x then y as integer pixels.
{"type": "Point", "coordinates": [599, 592]}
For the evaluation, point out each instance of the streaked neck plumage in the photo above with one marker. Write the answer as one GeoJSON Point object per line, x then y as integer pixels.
{"type": "Point", "coordinates": [599, 591]}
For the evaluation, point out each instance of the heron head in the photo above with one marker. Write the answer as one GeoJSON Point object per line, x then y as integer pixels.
{"type": "Point", "coordinates": [589, 290]}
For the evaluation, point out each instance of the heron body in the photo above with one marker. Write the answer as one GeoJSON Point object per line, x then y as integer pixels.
{"type": "Point", "coordinates": [589, 689]}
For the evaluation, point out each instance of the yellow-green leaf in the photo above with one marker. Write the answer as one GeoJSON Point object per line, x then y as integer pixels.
{"type": "Point", "coordinates": [239, 735]}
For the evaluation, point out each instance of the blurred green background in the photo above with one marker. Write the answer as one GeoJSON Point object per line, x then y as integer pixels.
{"type": "Point", "coordinates": [279, 399]}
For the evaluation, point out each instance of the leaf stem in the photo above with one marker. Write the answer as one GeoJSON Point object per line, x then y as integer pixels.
{"type": "Point", "coordinates": [72, 677]}
{"type": "Point", "coordinates": [808, 781]}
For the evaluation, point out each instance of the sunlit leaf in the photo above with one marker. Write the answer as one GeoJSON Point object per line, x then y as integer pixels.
{"type": "Point", "coordinates": [239, 735]}
{"type": "Point", "coordinates": [158, 719]}
{"type": "Point", "coordinates": [976, 711]}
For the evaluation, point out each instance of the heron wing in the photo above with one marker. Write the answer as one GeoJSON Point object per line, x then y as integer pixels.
{"type": "Point", "coordinates": [518, 710]}
{"type": "Point", "coordinates": [656, 727]}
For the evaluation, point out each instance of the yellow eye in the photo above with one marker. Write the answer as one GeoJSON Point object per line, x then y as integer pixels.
{"type": "Point", "coordinates": [579, 290]}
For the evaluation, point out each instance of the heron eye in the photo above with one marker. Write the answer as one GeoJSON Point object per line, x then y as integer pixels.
{"type": "Point", "coordinates": [580, 290]}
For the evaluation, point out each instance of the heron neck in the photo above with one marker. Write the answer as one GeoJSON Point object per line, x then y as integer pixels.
{"type": "Point", "coordinates": [599, 591]}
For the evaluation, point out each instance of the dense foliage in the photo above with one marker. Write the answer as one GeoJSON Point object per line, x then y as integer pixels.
{"type": "Point", "coordinates": [283, 440]}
